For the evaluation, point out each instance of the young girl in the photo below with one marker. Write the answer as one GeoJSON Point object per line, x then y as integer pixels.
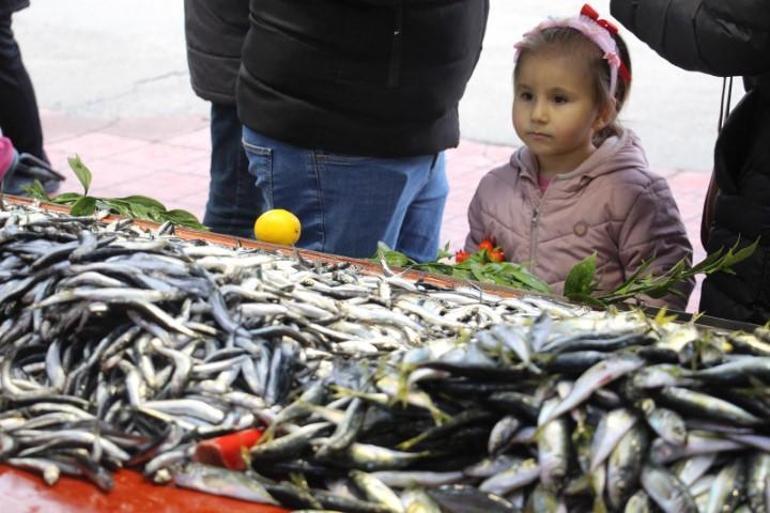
{"type": "Point", "coordinates": [581, 184]}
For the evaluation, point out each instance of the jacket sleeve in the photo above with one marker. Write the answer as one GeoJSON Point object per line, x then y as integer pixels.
{"type": "Point", "coordinates": [653, 231]}
{"type": "Point", "coordinates": [719, 37]}
{"type": "Point", "coordinates": [476, 223]}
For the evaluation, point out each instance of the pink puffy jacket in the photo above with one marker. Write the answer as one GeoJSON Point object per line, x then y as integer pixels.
{"type": "Point", "coordinates": [611, 204]}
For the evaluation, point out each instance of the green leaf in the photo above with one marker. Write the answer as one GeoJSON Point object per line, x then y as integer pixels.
{"type": "Point", "coordinates": [461, 274]}
{"type": "Point", "coordinates": [742, 254]}
{"type": "Point", "coordinates": [85, 206]}
{"type": "Point", "coordinates": [581, 278]}
{"type": "Point", "coordinates": [520, 274]}
{"type": "Point", "coordinates": [134, 206]}
{"type": "Point", "coordinates": [82, 172]}
{"type": "Point", "coordinates": [477, 267]}
{"type": "Point", "coordinates": [118, 207]}
{"type": "Point", "coordinates": [184, 218]}
{"type": "Point", "coordinates": [477, 270]}
{"type": "Point", "coordinates": [143, 202]}
{"type": "Point", "coordinates": [434, 267]}
{"type": "Point", "coordinates": [36, 191]}
{"type": "Point", "coordinates": [66, 198]}
{"type": "Point", "coordinates": [392, 257]}
{"type": "Point", "coordinates": [659, 286]}
{"type": "Point", "coordinates": [444, 252]}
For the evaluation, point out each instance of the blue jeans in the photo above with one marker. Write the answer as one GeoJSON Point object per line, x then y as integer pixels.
{"type": "Point", "coordinates": [234, 201]}
{"type": "Point", "coordinates": [346, 204]}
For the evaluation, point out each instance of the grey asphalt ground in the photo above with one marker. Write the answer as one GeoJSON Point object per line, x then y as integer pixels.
{"type": "Point", "coordinates": [113, 59]}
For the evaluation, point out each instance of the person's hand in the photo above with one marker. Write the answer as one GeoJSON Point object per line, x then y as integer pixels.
{"type": "Point", "coordinates": [19, 171]}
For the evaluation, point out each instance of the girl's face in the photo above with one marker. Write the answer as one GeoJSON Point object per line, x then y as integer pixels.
{"type": "Point", "coordinates": [555, 111]}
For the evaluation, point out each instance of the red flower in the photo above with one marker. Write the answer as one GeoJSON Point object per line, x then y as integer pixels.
{"type": "Point", "coordinates": [461, 256]}
{"type": "Point", "coordinates": [496, 255]}
{"type": "Point", "coordinates": [487, 245]}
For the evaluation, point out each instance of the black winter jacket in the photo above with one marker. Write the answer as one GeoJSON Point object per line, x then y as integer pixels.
{"type": "Point", "coordinates": [215, 30]}
{"type": "Point", "coordinates": [725, 38]}
{"type": "Point", "coordinates": [377, 78]}
{"type": "Point", "coordinates": [7, 7]}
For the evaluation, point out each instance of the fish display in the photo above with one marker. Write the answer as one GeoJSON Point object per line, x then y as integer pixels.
{"type": "Point", "coordinates": [123, 347]}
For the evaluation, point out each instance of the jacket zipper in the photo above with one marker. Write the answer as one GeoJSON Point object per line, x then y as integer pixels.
{"type": "Point", "coordinates": [533, 238]}
{"type": "Point", "coordinates": [396, 47]}
{"type": "Point", "coordinates": [534, 227]}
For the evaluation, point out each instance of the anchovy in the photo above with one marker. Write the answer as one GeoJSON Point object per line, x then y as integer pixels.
{"type": "Point", "coordinates": [517, 476]}
{"type": "Point", "coordinates": [625, 465]}
{"type": "Point", "coordinates": [418, 501]}
{"type": "Point", "coordinates": [377, 491]}
{"type": "Point", "coordinates": [757, 481]}
{"type": "Point", "coordinates": [597, 376]}
{"type": "Point", "coordinates": [668, 492]}
{"type": "Point", "coordinates": [553, 447]}
{"type": "Point", "coordinates": [218, 481]}
{"type": "Point", "coordinates": [613, 426]}
{"type": "Point", "coordinates": [371, 457]}
{"type": "Point", "coordinates": [288, 445]}
{"type": "Point", "coordinates": [502, 433]}
{"type": "Point", "coordinates": [727, 490]}
{"type": "Point", "coordinates": [49, 470]}
{"type": "Point", "coordinates": [692, 469]}
{"type": "Point", "coordinates": [707, 406]}
{"type": "Point", "coordinates": [668, 424]}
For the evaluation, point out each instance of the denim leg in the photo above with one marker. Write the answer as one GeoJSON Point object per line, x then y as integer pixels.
{"type": "Point", "coordinates": [234, 201]}
{"type": "Point", "coordinates": [367, 200]}
{"type": "Point", "coordinates": [421, 228]}
{"type": "Point", "coordinates": [346, 203]}
{"type": "Point", "coordinates": [281, 174]}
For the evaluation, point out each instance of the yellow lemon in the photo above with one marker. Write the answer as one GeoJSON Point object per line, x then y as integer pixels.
{"type": "Point", "coordinates": [278, 226]}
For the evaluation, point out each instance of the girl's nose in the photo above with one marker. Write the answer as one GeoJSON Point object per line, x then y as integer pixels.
{"type": "Point", "coordinates": [539, 112]}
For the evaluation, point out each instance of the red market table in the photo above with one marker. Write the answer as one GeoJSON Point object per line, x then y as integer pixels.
{"type": "Point", "coordinates": [24, 492]}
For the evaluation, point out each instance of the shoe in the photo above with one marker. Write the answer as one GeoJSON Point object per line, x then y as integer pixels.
{"type": "Point", "coordinates": [26, 170]}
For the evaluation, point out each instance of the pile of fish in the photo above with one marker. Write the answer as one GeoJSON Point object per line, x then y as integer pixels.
{"type": "Point", "coordinates": [121, 347]}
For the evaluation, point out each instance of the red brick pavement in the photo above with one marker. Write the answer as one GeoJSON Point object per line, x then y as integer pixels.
{"type": "Point", "coordinates": [168, 159]}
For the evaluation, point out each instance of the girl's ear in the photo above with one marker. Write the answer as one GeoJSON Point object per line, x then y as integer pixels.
{"type": "Point", "coordinates": [606, 115]}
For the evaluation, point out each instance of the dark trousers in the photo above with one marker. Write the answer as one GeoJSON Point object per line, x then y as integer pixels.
{"type": "Point", "coordinates": [19, 116]}
{"type": "Point", "coordinates": [234, 200]}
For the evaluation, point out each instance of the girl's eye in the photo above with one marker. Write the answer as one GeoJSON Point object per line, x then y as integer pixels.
{"type": "Point", "coordinates": [526, 96]}
{"type": "Point", "coordinates": [560, 99]}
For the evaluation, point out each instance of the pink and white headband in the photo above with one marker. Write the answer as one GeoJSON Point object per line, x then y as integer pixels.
{"type": "Point", "coordinates": [600, 31]}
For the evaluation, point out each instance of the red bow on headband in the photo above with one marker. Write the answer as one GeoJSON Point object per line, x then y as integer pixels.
{"type": "Point", "coordinates": [589, 11]}
{"type": "Point", "coordinates": [610, 27]}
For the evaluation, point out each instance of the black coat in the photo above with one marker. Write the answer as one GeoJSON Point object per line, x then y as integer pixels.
{"type": "Point", "coordinates": [378, 78]}
{"type": "Point", "coordinates": [725, 38]}
{"type": "Point", "coordinates": [7, 7]}
{"type": "Point", "coordinates": [215, 30]}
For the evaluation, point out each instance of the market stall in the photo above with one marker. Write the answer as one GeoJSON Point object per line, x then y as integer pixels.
{"type": "Point", "coordinates": [129, 346]}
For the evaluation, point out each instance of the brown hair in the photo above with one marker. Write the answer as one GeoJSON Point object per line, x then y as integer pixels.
{"type": "Point", "coordinates": [572, 40]}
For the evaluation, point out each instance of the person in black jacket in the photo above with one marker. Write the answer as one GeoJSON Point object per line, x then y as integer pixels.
{"type": "Point", "coordinates": [725, 39]}
{"type": "Point", "coordinates": [347, 110]}
{"type": "Point", "coordinates": [19, 115]}
{"type": "Point", "coordinates": [215, 30]}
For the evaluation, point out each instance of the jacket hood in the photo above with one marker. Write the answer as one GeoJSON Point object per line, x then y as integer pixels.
{"type": "Point", "coordinates": [616, 153]}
